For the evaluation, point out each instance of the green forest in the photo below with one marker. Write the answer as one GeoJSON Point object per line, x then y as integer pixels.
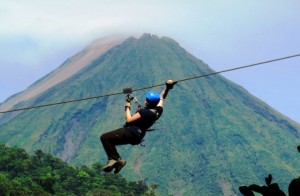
{"type": "Point", "coordinates": [43, 174]}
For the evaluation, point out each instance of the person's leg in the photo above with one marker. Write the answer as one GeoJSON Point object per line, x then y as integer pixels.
{"type": "Point", "coordinates": [110, 140]}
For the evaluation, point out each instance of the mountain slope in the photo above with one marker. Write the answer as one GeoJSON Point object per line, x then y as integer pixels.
{"type": "Point", "coordinates": [213, 136]}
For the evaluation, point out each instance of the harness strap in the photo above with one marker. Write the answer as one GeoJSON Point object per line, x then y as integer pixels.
{"type": "Point", "coordinates": [155, 112]}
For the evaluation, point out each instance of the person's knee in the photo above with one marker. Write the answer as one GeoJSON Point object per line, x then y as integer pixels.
{"type": "Point", "coordinates": [102, 137]}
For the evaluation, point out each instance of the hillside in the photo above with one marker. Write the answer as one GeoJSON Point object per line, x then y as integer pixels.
{"type": "Point", "coordinates": [213, 136]}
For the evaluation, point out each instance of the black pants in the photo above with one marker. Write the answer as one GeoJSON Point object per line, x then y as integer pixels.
{"type": "Point", "coordinates": [117, 137]}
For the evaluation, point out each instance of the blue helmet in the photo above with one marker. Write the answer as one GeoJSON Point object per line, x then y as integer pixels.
{"type": "Point", "coordinates": [152, 98]}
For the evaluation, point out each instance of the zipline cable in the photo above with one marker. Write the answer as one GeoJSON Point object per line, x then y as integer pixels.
{"type": "Point", "coordinates": [182, 80]}
{"type": "Point", "coordinates": [223, 71]}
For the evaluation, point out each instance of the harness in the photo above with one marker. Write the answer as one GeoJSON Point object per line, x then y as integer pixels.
{"type": "Point", "coordinates": [155, 112]}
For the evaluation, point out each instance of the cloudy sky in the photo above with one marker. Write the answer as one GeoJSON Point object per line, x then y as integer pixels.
{"type": "Point", "coordinates": [37, 36]}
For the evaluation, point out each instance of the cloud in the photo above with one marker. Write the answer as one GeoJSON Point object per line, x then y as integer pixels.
{"type": "Point", "coordinates": [218, 27]}
{"type": "Point", "coordinates": [83, 18]}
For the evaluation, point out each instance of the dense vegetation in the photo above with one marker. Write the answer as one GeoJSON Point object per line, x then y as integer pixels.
{"type": "Point", "coordinates": [43, 174]}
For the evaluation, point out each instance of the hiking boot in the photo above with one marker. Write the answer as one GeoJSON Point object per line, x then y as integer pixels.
{"type": "Point", "coordinates": [109, 166]}
{"type": "Point", "coordinates": [119, 165]}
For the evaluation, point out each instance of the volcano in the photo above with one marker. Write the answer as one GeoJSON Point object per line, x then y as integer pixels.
{"type": "Point", "coordinates": [213, 136]}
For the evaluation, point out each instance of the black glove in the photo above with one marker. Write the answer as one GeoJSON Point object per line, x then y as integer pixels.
{"type": "Point", "coordinates": [129, 98]}
{"type": "Point", "coordinates": [170, 86]}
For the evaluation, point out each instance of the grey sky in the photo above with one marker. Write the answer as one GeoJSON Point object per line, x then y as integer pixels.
{"type": "Point", "coordinates": [37, 36]}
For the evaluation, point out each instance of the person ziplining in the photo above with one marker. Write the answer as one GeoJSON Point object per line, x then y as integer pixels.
{"type": "Point", "coordinates": [135, 127]}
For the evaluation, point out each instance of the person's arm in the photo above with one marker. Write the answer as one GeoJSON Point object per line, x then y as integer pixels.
{"type": "Point", "coordinates": [128, 116]}
{"type": "Point", "coordinates": [164, 93]}
{"type": "Point", "coordinates": [163, 96]}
